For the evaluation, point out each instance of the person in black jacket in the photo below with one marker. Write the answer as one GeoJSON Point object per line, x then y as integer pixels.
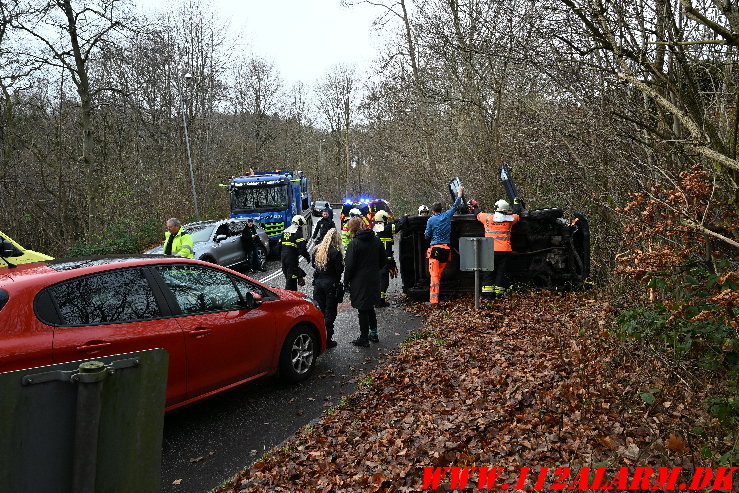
{"type": "Point", "coordinates": [324, 225]}
{"type": "Point", "coordinates": [328, 264]}
{"type": "Point", "coordinates": [250, 242]}
{"type": "Point", "coordinates": [292, 247]}
{"type": "Point", "coordinates": [365, 256]}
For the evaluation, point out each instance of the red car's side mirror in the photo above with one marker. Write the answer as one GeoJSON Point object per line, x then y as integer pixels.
{"type": "Point", "coordinates": [252, 300]}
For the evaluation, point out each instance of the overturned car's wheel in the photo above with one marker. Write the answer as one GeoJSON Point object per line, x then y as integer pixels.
{"type": "Point", "coordinates": [298, 356]}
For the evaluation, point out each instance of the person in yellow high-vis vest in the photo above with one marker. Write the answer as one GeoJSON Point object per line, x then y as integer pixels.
{"type": "Point", "coordinates": [498, 226]}
{"type": "Point", "coordinates": [176, 241]}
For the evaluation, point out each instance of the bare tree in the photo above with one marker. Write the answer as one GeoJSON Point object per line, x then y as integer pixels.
{"type": "Point", "coordinates": [682, 59]}
{"type": "Point", "coordinates": [336, 95]}
{"type": "Point", "coordinates": [257, 87]}
{"type": "Point", "coordinates": [70, 34]}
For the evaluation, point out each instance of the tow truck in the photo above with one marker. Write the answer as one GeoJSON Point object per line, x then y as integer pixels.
{"type": "Point", "coordinates": [271, 198]}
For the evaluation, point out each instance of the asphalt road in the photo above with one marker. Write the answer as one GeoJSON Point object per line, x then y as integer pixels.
{"type": "Point", "coordinates": [208, 442]}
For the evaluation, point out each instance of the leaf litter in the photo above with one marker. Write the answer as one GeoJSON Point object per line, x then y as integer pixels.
{"type": "Point", "coordinates": [535, 381]}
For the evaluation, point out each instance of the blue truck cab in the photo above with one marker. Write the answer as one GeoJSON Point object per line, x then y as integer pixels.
{"type": "Point", "coordinates": [271, 198]}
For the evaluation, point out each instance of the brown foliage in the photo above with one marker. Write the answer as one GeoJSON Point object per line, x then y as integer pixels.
{"type": "Point", "coordinates": [662, 241]}
{"type": "Point", "coordinates": [658, 235]}
{"type": "Point", "coordinates": [535, 381]}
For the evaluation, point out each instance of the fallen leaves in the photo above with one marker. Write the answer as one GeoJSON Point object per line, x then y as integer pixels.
{"type": "Point", "coordinates": [544, 388]}
{"type": "Point", "coordinates": [676, 444]}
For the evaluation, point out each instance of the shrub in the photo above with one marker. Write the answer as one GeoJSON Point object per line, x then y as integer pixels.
{"type": "Point", "coordinates": [123, 236]}
{"type": "Point", "coordinates": [678, 244]}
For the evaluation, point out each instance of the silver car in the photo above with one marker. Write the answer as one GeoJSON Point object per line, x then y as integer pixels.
{"type": "Point", "coordinates": [318, 206]}
{"type": "Point", "coordinates": [219, 242]}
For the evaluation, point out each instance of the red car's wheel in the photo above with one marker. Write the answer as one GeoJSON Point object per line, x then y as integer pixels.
{"type": "Point", "coordinates": [298, 356]}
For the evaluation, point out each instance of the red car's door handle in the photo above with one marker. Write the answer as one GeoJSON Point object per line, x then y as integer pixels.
{"type": "Point", "coordinates": [199, 331]}
{"type": "Point", "coordinates": [92, 346]}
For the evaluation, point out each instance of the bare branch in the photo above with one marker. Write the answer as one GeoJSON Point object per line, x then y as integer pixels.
{"type": "Point", "coordinates": [698, 136]}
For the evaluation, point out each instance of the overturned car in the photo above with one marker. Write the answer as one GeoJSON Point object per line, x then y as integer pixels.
{"type": "Point", "coordinates": [549, 250]}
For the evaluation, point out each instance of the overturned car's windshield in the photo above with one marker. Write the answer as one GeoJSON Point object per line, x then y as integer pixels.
{"type": "Point", "coordinates": [265, 197]}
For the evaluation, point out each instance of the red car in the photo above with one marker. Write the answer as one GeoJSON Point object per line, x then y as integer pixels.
{"type": "Point", "coordinates": [219, 327]}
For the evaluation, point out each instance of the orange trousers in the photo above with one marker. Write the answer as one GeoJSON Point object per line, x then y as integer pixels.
{"type": "Point", "coordinates": [435, 270]}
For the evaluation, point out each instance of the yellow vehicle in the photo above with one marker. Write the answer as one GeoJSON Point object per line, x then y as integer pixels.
{"type": "Point", "coordinates": [16, 254]}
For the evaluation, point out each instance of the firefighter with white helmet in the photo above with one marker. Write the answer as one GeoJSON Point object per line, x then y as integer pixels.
{"type": "Point", "coordinates": [503, 206]}
{"type": "Point", "coordinates": [292, 247]}
{"type": "Point", "coordinates": [385, 229]}
{"type": "Point", "coordinates": [382, 216]}
{"type": "Point", "coordinates": [423, 210]}
{"type": "Point", "coordinates": [498, 226]}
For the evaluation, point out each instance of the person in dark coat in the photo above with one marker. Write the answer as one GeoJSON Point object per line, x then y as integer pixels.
{"type": "Point", "coordinates": [292, 247]}
{"type": "Point", "coordinates": [327, 290]}
{"type": "Point", "coordinates": [323, 225]}
{"type": "Point", "coordinates": [365, 256]}
{"type": "Point", "coordinates": [250, 242]}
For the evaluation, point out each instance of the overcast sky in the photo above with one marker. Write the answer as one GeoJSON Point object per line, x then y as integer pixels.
{"type": "Point", "coordinates": [304, 38]}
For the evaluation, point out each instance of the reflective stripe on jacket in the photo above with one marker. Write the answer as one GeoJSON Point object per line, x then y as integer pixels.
{"type": "Point", "coordinates": [293, 244]}
{"type": "Point", "coordinates": [498, 226]}
{"type": "Point", "coordinates": [385, 232]}
{"type": "Point", "coordinates": [182, 244]}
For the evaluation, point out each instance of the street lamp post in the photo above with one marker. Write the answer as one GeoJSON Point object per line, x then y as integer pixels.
{"type": "Point", "coordinates": [188, 77]}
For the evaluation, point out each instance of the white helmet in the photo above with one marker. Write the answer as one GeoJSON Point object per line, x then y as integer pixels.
{"type": "Point", "coordinates": [381, 216]}
{"type": "Point", "coordinates": [422, 208]}
{"type": "Point", "coordinates": [299, 220]}
{"type": "Point", "coordinates": [502, 206]}
{"type": "Point", "coordinates": [355, 212]}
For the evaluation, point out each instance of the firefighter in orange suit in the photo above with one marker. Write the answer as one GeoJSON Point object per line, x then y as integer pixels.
{"type": "Point", "coordinates": [498, 226]}
{"type": "Point", "coordinates": [439, 232]}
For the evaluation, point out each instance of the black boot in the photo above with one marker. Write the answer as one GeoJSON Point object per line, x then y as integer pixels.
{"type": "Point", "coordinates": [362, 342]}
